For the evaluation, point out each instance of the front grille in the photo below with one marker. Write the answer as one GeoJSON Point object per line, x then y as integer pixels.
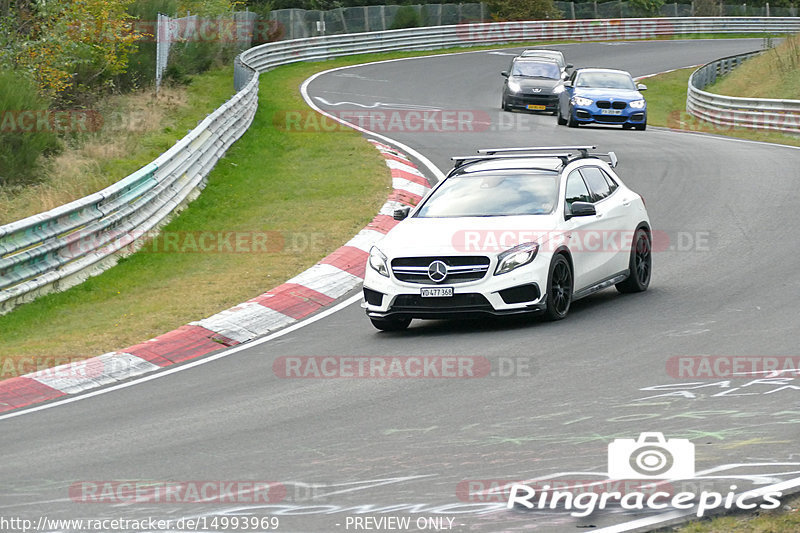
{"type": "Point", "coordinates": [605, 104]}
{"type": "Point", "coordinates": [617, 119]}
{"type": "Point", "coordinates": [460, 269]}
{"type": "Point", "coordinates": [456, 303]}
{"type": "Point", "coordinates": [535, 99]}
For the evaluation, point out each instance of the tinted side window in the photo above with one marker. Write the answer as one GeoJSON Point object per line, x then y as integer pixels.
{"type": "Point", "coordinates": [576, 189]}
{"type": "Point", "coordinates": [596, 179]}
{"type": "Point", "coordinates": [611, 183]}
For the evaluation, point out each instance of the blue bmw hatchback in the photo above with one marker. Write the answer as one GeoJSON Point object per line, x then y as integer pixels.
{"type": "Point", "coordinates": [602, 96]}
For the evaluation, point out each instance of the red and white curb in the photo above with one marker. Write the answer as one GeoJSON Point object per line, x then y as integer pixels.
{"type": "Point", "coordinates": [333, 277]}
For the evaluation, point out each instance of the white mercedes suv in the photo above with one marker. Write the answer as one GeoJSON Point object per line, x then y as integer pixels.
{"type": "Point", "coordinates": [509, 231]}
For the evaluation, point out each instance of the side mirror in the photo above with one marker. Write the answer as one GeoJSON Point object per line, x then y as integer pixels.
{"type": "Point", "coordinates": [570, 65]}
{"type": "Point", "coordinates": [581, 209]}
{"type": "Point", "coordinates": [641, 87]}
{"type": "Point", "coordinates": [402, 213]}
{"type": "Point", "coordinates": [564, 76]}
{"type": "Point", "coordinates": [568, 83]}
{"type": "Point", "coordinates": [504, 73]}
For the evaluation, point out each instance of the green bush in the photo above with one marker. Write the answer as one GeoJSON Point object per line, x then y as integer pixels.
{"type": "Point", "coordinates": [24, 135]}
{"type": "Point", "coordinates": [406, 17]}
{"type": "Point", "coordinates": [524, 10]}
{"type": "Point", "coordinates": [646, 8]}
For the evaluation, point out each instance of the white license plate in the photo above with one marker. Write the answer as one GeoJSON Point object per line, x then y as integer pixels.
{"type": "Point", "coordinates": [436, 292]}
{"type": "Point", "coordinates": [611, 111]}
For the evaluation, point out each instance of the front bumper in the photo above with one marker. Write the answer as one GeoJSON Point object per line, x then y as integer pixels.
{"type": "Point", "coordinates": [517, 292]}
{"type": "Point", "coordinates": [593, 114]}
{"type": "Point", "coordinates": [537, 100]}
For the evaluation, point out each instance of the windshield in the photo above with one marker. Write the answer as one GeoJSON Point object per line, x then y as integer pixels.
{"type": "Point", "coordinates": [606, 80]}
{"type": "Point", "coordinates": [493, 194]}
{"type": "Point", "coordinates": [536, 70]}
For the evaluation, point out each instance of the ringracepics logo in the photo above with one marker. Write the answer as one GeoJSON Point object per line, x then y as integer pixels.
{"type": "Point", "coordinates": [650, 457]}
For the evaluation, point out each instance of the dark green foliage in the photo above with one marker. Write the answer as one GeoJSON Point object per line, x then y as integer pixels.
{"type": "Point", "coordinates": [22, 140]}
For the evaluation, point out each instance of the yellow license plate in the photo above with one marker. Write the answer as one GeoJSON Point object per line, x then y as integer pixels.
{"type": "Point", "coordinates": [536, 107]}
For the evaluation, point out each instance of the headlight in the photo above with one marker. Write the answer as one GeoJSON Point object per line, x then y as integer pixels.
{"type": "Point", "coordinates": [515, 257]}
{"type": "Point", "coordinates": [637, 104]}
{"type": "Point", "coordinates": [559, 89]}
{"type": "Point", "coordinates": [378, 261]}
{"type": "Point", "coordinates": [580, 100]}
{"type": "Point", "coordinates": [514, 86]}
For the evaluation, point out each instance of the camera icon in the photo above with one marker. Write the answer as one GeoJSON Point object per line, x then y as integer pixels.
{"type": "Point", "coordinates": [651, 456]}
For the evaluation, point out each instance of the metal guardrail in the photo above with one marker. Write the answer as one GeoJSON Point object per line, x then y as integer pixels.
{"type": "Point", "coordinates": [734, 111]}
{"type": "Point", "coordinates": [66, 245]}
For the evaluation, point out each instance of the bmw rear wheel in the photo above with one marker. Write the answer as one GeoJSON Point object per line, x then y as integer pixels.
{"type": "Point", "coordinates": [559, 289]}
{"type": "Point", "coordinates": [640, 264]}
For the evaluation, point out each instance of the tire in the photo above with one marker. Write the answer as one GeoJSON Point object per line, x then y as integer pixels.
{"type": "Point", "coordinates": [640, 264]}
{"type": "Point", "coordinates": [559, 289]}
{"type": "Point", "coordinates": [641, 127]}
{"type": "Point", "coordinates": [504, 105]}
{"type": "Point", "coordinates": [390, 324]}
{"type": "Point", "coordinates": [561, 120]}
{"type": "Point", "coordinates": [571, 122]}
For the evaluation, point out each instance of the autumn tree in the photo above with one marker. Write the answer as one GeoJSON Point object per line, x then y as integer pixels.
{"type": "Point", "coordinates": [72, 48]}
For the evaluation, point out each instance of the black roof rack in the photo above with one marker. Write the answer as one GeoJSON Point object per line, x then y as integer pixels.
{"type": "Point", "coordinates": [565, 153]}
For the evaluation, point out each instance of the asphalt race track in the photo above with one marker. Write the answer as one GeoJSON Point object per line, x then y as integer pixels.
{"type": "Point", "coordinates": [723, 285]}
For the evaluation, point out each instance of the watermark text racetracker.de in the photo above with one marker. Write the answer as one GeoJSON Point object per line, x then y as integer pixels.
{"type": "Point", "coordinates": [733, 366]}
{"type": "Point", "coordinates": [385, 120]}
{"type": "Point", "coordinates": [601, 241]}
{"type": "Point", "coordinates": [173, 492]}
{"type": "Point", "coordinates": [62, 367]}
{"type": "Point", "coordinates": [189, 242]}
{"type": "Point", "coordinates": [402, 367]}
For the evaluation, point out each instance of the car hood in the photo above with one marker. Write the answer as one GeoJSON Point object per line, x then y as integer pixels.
{"type": "Point", "coordinates": [416, 237]}
{"type": "Point", "coordinates": [537, 83]}
{"type": "Point", "coordinates": [616, 94]}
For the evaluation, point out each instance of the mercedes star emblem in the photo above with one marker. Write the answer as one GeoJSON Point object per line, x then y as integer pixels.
{"type": "Point", "coordinates": [437, 271]}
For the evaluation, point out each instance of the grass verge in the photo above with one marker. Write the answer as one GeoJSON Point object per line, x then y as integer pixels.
{"type": "Point", "coordinates": [125, 132]}
{"type": "Point", "coordinates": [783, 520]}
{"type": "Point", "coordinates": [666, 107]}
{"type": "Point", "coordinates": [774, 74]}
